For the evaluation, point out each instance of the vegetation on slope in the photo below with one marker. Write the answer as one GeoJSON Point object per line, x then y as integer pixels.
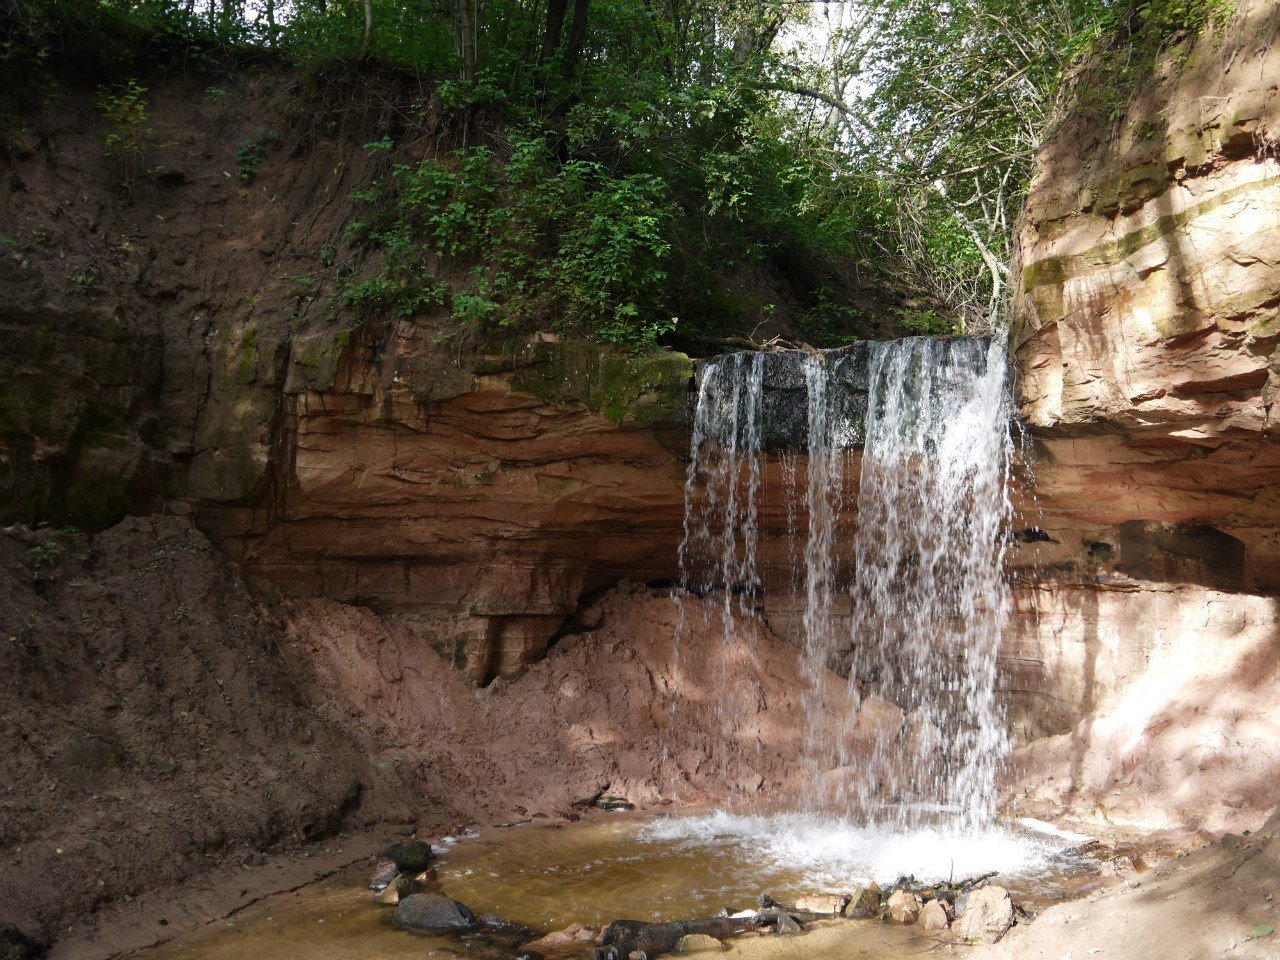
{"type": "Point", "coordinates": [645, 171]}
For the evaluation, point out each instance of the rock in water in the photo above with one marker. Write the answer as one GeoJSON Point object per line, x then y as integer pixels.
{"type": "Point", "coordinates": [384, 871]}
{"type": "Point", "coordinates": [934, 916]}
{"type": "Point", "coordinates": [410, 856]}
{"type": "Point", "coordinates": [569, 940]}
{"type": "Point", "coordinates": [615, 803]}
{"type": "Point", "coordinates": [433, 912]}
{"type": "Point", "coordinates": [401, 888]}
{"type": "Point", "coordinates": [865, 902]}
{"type": "Point", "coordinates": [988, 914]}
{"type": "Point", "coordinates": [903, 906]}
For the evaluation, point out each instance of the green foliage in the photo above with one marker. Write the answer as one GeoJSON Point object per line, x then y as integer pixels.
{"type": "Point", "coordinates": [660, 161]}
{"type": "Point", "coordinates": [253, 151]}
{"type": "Point", "coordinates": [1164, 22]}
{"type": "Point", "coordinates": [568, 242]}
{"type": "Point", "coordinates": [1126, 42]}
{"type": "Point", "coordinates": [49, 552]}
{"type": "Point", "coordinates": [925, 323]}
{"type": "Point", "coordinates": [89, 279]}
{"type": "Point", "coordinates": [125, 107]}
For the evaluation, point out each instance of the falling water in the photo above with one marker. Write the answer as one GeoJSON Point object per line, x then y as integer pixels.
{"type": "Point", "coordinates": [721, 516]}
{"type": "Point", "coordinates": [722, 482]}
{"type": "Point", "coordinates": [927, 588]}
{"type": "Point", "coordinates": [930, 597]}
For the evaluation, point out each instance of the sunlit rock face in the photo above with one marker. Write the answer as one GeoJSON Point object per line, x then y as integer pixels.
{"type": "Point", "coordinates": [1148, 310]}
{"type": "Point", "coordinates": [1163, 711]}
{"type": "Point", "coordinates": [1146, 324]}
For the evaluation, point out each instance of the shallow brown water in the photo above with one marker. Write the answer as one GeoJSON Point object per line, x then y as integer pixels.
{"type": "Point", "coordinates": [547, 875]}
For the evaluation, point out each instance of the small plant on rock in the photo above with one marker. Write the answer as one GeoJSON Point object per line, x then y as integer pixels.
{"type": "Point", "coordinates": [125, 106]}
{"type": "Point", "coordinates": [253, 151]}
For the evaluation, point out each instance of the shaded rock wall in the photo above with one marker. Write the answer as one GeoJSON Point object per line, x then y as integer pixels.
{"type": "Point", "coordinates": [480, 520]}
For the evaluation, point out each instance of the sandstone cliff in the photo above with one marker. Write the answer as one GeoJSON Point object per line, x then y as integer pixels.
{"type": "Point", "coordinates": [1145, 332]}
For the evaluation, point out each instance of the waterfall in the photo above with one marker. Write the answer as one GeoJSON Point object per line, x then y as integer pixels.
{"type": "Point", "coordinates": [927, 586]}
{"type": "Point", "coordinates": [721, 513]}
{"type": "Point", "coordinates": [929, 594]}
{"type": "Point", "coordinates": [722, 482]}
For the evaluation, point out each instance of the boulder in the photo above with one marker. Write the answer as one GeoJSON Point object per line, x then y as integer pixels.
{"type": "Point", "coordinates": [410, 856]}
{"type": "Point", "coordinates": [384, 871]}
{"type": "Point", "coordinates": [903, 906]}
{"type": "Point", "coordinates": [398, 889]}
{"type": "Point", "coordinates": [865, 902]}
{"type": "Point", "coordinates": [988, 914]}
{"type": "Point", "coordinates": [934, 916]}
{"type": "Point", "coordinates": [433, 912]}
{"type": "Point", "coordinates": [569, 940]}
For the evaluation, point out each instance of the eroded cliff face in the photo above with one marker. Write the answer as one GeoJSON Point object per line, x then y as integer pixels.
{"type": "Point", "coordinates": [1147, 322]}
{"type": "Point", "coordinates": [1145, 334]}
{"type": "Point", "coordinates": [478, 521]}
{"type": "Point", "coordinates": [176, 339]}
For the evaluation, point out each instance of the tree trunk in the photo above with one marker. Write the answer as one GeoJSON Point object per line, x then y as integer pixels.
{"type": "Point", "coordinates": [555, 24]}
{"type": "Point", "coordinates": [577, 36]}
{"type": "Point", "coordinates": [368, 24]}
{"type": "Point", "coordinates": [467, 39]}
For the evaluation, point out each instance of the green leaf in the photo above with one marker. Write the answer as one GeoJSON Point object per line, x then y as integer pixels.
{"type": "Point", "coordinates": [1261, 930]}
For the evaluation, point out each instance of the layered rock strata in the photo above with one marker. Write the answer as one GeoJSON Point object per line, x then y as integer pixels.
{"type": "Point", "coordinates": [1145, 334]}
{"type": "Point", "coordinates": [1148, 313]}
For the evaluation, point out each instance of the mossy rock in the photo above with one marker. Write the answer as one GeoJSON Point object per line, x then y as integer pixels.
{"type": "Point", "coordinates": [646, 388]}
{"type": "Point", "coordinates": [410, 856]}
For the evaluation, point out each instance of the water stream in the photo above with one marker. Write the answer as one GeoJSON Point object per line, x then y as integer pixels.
{"type": "Point", "coordinates": [546, 877]}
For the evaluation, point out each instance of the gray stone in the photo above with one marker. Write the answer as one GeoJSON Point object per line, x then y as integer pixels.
{"type": "Point", "coordinates": [410, 856]}
{"type": "Point", "coordinates": [433, 912]}
{"type": "Point", "coordinates": [384, 871]}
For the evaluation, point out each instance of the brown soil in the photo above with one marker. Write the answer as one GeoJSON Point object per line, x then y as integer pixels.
{"type": "Point", "coordinates": [149, 727]}
{"type": "Point", "coordinates": [158, 720]}
{"type": "Point", "coordinates": [636, 706]}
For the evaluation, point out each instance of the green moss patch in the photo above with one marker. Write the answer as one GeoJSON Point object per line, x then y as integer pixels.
{"type": "Point", "coordinates": [625, 387]}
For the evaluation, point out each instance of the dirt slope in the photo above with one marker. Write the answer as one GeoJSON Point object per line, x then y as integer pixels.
{"type": "Point", "coordinates": [149, 726]}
